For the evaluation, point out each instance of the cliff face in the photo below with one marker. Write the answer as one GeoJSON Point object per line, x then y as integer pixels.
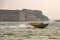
{"type": "Point", "coordinates": [36, 15]}
{"type": "Point", "coordinates": [22, 15]}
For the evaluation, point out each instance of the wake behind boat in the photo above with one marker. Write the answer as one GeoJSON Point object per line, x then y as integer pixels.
{"type": "Point", "coordinates": [29, 25]}
{"type": "Point", "coordinates": [25, 26]}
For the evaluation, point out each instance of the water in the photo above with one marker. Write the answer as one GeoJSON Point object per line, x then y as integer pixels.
{"type": "Point", "coordinates": [51, 32]}
{"type": "Point", "coordinates": [55, 25]}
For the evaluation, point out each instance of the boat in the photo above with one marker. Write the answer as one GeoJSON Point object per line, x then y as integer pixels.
{"type": "Point", "coordinates": [39, 25]}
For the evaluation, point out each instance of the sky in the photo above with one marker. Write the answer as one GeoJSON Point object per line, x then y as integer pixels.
{"type": "Point", "coordinates": [50, 8]}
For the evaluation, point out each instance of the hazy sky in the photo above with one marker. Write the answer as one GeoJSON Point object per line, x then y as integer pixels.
{"type": "Point", "coordinates": [50, 8]}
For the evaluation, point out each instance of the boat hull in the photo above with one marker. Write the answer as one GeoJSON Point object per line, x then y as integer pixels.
{"type": "Point", "coordinates": [37, 25]}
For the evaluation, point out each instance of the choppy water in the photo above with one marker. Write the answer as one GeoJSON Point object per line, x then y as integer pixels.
{"type": "Point", "coordinates": [55, 25]}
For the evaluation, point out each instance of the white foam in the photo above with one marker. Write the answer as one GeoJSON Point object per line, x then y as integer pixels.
{"type": "Point", "coordinates": [25, 26]}
{"type": "Point", "coordinates": [18, 26]}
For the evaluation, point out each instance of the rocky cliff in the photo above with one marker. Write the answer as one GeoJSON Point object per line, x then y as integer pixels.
{"type": "Point", "coordinates": [22, 15]}
{"type": "Point", "coordinates": [36, 13]}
